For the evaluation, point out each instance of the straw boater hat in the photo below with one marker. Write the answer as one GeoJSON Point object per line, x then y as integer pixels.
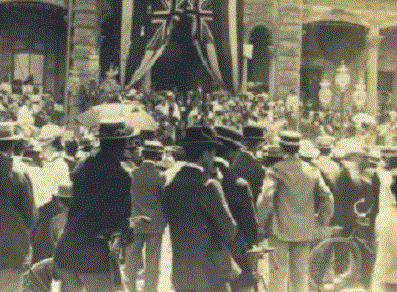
{"type": "Point", "coordinates": [290, 138]}
{"type": "Point", "coordinates": [307, 149]}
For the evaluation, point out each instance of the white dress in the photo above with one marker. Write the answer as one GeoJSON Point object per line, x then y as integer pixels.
{"type": "Point", "coordinates": [385, 269]}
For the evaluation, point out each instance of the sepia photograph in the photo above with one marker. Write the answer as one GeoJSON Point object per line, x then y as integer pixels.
{"type": "Point", "coordinates": [198, 146]}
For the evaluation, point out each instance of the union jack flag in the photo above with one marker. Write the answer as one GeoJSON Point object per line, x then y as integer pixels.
{"type": "Point", "coordinates": [216, 33]}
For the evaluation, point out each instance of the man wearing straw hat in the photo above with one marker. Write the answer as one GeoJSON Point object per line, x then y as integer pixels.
{"type": "Point", "coordinates": [294, 186]}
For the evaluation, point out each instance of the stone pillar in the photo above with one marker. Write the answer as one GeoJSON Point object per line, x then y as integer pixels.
{"type": "Point", "coordinates": [247, 54]}
{"type": "Point", "coordinates": [83, 52]}
{"type": "Point", "coordinates": [373, 42]}
{"type": "Point", "coordinates": [272, 70]}
{"type": "Point", "coordinates": [289, 46]}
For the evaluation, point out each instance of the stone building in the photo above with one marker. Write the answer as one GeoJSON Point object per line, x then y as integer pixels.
{"type": "Point", "coordinates": [34, 37]}
{"type": "Point", "coordinates": [298, 45]}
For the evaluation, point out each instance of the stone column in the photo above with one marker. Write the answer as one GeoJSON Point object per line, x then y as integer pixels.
{"type": "Point", "coordinates": [373, 42]}
{"type": "Point", "coordinates": [84, 46]}
{"type": "Point", "coordinates": [272, 70]}
{"type": "Point", "coordinates": [247, 54]}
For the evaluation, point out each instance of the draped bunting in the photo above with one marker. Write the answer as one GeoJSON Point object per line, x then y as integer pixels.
{"type": "Point", "coordinates": [216, 33]}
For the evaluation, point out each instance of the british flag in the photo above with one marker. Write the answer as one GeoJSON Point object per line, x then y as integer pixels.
{"type": "Point", "coordinates": [216, 33]}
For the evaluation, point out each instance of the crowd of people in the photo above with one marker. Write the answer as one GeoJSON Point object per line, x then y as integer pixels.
{"type": "Point", "coordinates": [229, 175]}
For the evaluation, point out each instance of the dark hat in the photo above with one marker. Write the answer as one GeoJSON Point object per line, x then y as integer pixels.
{"type": "Point", "coordinates": [229, 137]}
{"type": "Point", "coordinates": [9, 132]}
{"type": "Point", "coordinates": [290, 138]}
{"type": "Point", "coordinates": [253, 133]}
{"type": "Point", "coordinates": [113, 129]}
{"type": "Point", "coordinates": [273, 151]}
{"type": "Point", "coordinates": [229, 132]}
{"type": "Point", "coordinates": [201, 136]}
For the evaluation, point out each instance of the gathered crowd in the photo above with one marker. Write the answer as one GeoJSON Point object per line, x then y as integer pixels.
{"type": "Point", "coordinates": [233, 177]}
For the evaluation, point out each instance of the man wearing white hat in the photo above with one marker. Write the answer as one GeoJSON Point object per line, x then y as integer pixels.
{"type": "Point", "coordinates": [294, 186]}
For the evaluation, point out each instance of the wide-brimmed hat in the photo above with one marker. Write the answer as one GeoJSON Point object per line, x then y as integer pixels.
{"type": "Point", "coordinates": [254, 133]}
{"type": "Point", "coordinates": [325, 142]}
{"type": "Point", "coordinates": [230, 137]}
{"type": "Point", "coordinates": [201, 136]}
{"type": "Point", "coordinates": [9, 132]}
{"type": "Point", "coordinates": [114, 129]}
{"type": "Point", "coordinates": [290, 138]}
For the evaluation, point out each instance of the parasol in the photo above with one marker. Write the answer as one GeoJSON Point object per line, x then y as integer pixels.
{"type": "Point", "coordinates": [133, 116]}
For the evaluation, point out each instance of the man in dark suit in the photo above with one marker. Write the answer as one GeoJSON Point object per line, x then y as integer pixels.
{"type": "Point", "coordinates": [199, 218]}
{"type": "Point", "coordinates": [100, 207]}
{"type": "Point", "coordinates": [16, 214]}
{"type": "Point", "coordinates": [237, 190]}
{"type": "Point", "coordinates": [147, 183]}
{"type": "Point", "coordinates": [247, 165]}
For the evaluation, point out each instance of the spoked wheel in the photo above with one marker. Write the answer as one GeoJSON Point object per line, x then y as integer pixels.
{"type": "Point", "coordinates": [331, 272]}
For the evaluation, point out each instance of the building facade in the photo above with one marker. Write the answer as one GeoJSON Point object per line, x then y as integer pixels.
{"type": "Point", "coordinates": [296, 45]}
{"type": "Point", "coordinates": [299, 45]}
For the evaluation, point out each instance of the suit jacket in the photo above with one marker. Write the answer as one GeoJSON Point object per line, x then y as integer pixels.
{"type": "Point", "coordinates": [199, 220]}
{"type": "Point", "coordinates": [41, 241]}
{"type": "Point", "coordinates": [249, 168]}
{"type": "Point", "coordinates": [241, 203]}
{"type": "Point", "coordinates": [16, 219]}
{"type": "Point", "coordinates": [294, 186]}
{"type": "Point", "coordinates": [100, 206]}
{"type": "Point", "coordinates": [146, 188]}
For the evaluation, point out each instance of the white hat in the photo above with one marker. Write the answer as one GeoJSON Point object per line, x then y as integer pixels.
{"type": "Point", "coordinates": [307, 149]}
{"type": "Point", "coordinates": [50, 132]}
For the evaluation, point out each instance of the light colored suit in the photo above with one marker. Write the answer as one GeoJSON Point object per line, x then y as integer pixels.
{"type": "Point", "coordinates": [294, 186]}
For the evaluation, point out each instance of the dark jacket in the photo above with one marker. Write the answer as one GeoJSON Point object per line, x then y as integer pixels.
{"type": "Point", "coordinates": [146, 192]}
{"type": "Point", "coordinates": [249, 168]}
{"type": "Point", "coordinates": [42, 246]}
{"type": "Point", "coordinates": [16, 218]}
{"type": "Point", "coordinates": [199, 221]}
{"type": "Point", "coordinates": [241, 203]}
{"type": "Point", "coordinates": [100, 206]}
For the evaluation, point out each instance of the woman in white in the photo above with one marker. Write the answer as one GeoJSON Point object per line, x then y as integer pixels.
{"type": "Point", "coordinates": [385, 270]}
{"type": "Point", "coordinates": [55, 169]}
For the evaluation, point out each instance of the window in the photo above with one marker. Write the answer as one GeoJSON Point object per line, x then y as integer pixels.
{"type": "Point", "coordinates": [26, 64]}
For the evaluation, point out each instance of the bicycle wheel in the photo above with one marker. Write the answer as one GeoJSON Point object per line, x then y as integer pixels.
{"type": "Point", "coordinates": [322, 264]}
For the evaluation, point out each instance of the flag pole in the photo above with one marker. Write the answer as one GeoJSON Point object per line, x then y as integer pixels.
{"type": "Point", "coordinates": [67, 65]}
{"type": "Point", "coordinates": [125, 43]}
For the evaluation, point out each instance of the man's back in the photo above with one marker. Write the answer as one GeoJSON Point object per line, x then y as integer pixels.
{"type": "Point", "coordinates": [146, 192]}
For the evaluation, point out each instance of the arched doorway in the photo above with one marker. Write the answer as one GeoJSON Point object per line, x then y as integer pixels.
{"type": "Point", "coordinates": [259, 65]}
{"type": "Point", "coordinates": [325, 45]}
{"type": "Point", "coordinates": [33, 43]}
